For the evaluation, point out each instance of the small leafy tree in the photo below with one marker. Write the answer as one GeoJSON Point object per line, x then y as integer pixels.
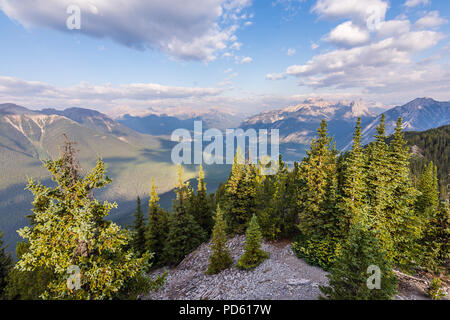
{"type": "Point", "coordinates": [253, 255]}
{"type": "Point", "coordinates": [220, 258]}
{"type": "Point", "coordinates": [349, 276]}
{"type": "Point", "coordinates": [70, 234]}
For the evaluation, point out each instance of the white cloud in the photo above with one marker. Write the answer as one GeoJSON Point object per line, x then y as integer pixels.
{"type": "Point", "coordinates": [415, 3]}
{"type": "Point", "coordinates": [275, 76]}
{"type": "Point", "coordinates": [290, 52]}
{"type": "Point", "coordinates": [190, 30]}
{"type": "Point", "coordinates": [431, 20]}
{"type": "Point", "coordinates": [246, 60]}
{"type": "Point", "coordinates": [13, 89]}
{"type": "Point", "coordinates": [348, 34]}
{"type": "Point", "coordinates": [314, 46]}
{"type": "Point", "coordinates": [360, 11]}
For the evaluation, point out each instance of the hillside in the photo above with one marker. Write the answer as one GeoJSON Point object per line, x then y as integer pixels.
{"type": "Point", "coordinates": [298, 124]}
{"type": "Point", "coordinates": [432, 145]}
{"type": "Point", "coordinates": [418, 115]}
{"type": "Point", "coordinates": [29, 137]}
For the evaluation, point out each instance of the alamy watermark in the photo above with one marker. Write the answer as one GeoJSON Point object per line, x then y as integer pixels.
{"type": "Point", "coordinates": [190, 148]}
{"type": "Point", "coordinates": [73, 22]}
{"type": "Point", "coordinates": [374, 280]}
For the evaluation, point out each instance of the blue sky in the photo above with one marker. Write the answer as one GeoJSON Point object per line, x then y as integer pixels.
{"type": "Point", "coordinates": [239, 55]}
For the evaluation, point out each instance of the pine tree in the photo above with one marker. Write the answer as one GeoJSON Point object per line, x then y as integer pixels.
{"type": "Point", "coordinates": [158, 227]}
{"type": "Point", "coordinates": [318, 173]}
{"type": "Point", "coordinates": [139, 230]}
{"type": "Point", "coordinates": [428, 200]}
{"type": "Point", "coordinates": [202, 205]}
{"type": "Point", "coordinates": [253, 255]}
{"type": "Point", "coordinates": [5, 266]}
{"type": "Point", "coordinates": [71, 230]}
{"type": "Point", "coordinates": [220, 258]}
{"type": "Point", "coordinates": [349, 276]}
{"type": "Point", "coordinates": [379, 189]}
{"type": "Point", "coordinates": [401, 220]}
{"type": "Point", "coordinates": [240, 195]}
{"type": "Point", "coordinates": [185, 235]}
{"type": "Point", "coordinates": [352, 198]}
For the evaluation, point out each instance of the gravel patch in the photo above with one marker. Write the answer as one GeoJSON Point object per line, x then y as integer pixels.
{"type": "Point", "coordinates": [281, 277]}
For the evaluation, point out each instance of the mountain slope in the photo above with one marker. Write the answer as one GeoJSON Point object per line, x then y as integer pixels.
{"type": "Point", "coordinates": [298, 124]}
{"type": "Point", "coordinates": [28, 137]}
{"type": "Point", "coordinates": [418, 115]}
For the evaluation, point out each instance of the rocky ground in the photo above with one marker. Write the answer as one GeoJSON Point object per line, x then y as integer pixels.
{"type": "Point", "coordinates": [281, 277]}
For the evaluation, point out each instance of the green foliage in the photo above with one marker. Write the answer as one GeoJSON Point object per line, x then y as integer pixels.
{"type": "Point", "coordinates": [277, 216]}
{"type": "Point", "coordinates": [27, 285]}
{"type": "Point", "coordinates": [431, 146]}
{"type": "Point", "coordinates": [240, 195]}
{"type": "Point", "coordinates": [317, 216]}
{"type": "Point", "coordinates": [158, 227]}
{"type": "Point", "coordinates": [349, 277]}
{"type": "Point", "coordinates": [220, 258]}
{"type": "Point", "coordinates": [70, 230]}
{"type": "Point", "coordinates": [352, 198]}
{"type": "Point", "coordinates": [200, 205]}
{"type": "Point", "coordinates": [139, 230]}
{"type": "Point", "coordinates": [435, 290]}
{"type": "Point", "coordinates": [185, 235]}
{"type": "Point", "coordinates": [5, 266]}
{"type": "Point", "coordinates": [253, 255]}
{"type": "Point", "coordinates": [318, 252]}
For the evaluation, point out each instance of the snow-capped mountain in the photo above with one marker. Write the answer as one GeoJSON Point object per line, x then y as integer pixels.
{"type": "Point", "coordinates": [298, 124]}
{"type": "Point", "coordinates": [418, 115]}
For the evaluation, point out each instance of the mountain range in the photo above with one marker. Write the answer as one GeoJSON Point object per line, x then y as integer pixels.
{"type": "Point", "coordinates": [136, 148]}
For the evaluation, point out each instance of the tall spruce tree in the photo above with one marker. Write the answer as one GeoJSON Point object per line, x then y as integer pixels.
{"type": "Point", "coordinates": [317, 216]}
{"type": "Point", "coordinates": [139, 229]}
{"type": "Point", "coordinates": [379, 189]}
{"type": "Point", "coordinates": [428, 200]}
{"type": "Point", "coordinates": [5, 266]}
{"type": "Point", "coordinates": [157, 228]}
{"type": "Point", "coordinates": [71, 233]}
{"type": "Point", "coordinates": [202, 205]}
{"type": "Point", "coordinates": [404, 226]}
{"type": "Point", "coordinates": [349, 276]}
{"type": "Point", "coordinates": [253, 255]}
{"type": "Point", "coordinates": [240, 194]}
{"type": "Point", "coordinates": [185, 235]}
{"type": "Point", "coordinates": [352, 198]}
{"type": "Point", "coordinates": [220, 258]}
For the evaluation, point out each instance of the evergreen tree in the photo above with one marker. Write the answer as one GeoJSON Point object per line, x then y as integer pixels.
{"type": "Point", "coordinates": [220, 258]}
{"type": "Point", "coordinates": [352, 198]}
{"type": "Point", "coordinates": [318, 173]}
{"type": "Point", "coordinates": [71, 233]}
{"type": "Point", "coordinates": [379, 189]}
{"type": "Point", "coordinates": [202, 205]}
{"type": "Point", "coordinates": [27, 285]}
{"type": "Point", "coordinates": [139, 230]}
{"type": "Point", "coordinates": [240, 194]}
{"type": "Point", "coordinates": [185, 235]}
{"type": "Point", "coordinates": [253, 255]}
{"type": "Point", "coordinates": [349, 276]}
{"type": "Point", "coordinates": [158, 227]}
{"type": "Point", "coordinates": [428, 200]}
{"type": "Point", "coordinates": [5, 266]}
{"type": "Point", "coordinates": [276, 218]}
{"type": "Point", "coordinates": [400, 218]}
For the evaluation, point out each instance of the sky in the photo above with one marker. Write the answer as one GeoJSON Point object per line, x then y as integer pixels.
{"type": "Point", "coordinates": [242, 56]}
